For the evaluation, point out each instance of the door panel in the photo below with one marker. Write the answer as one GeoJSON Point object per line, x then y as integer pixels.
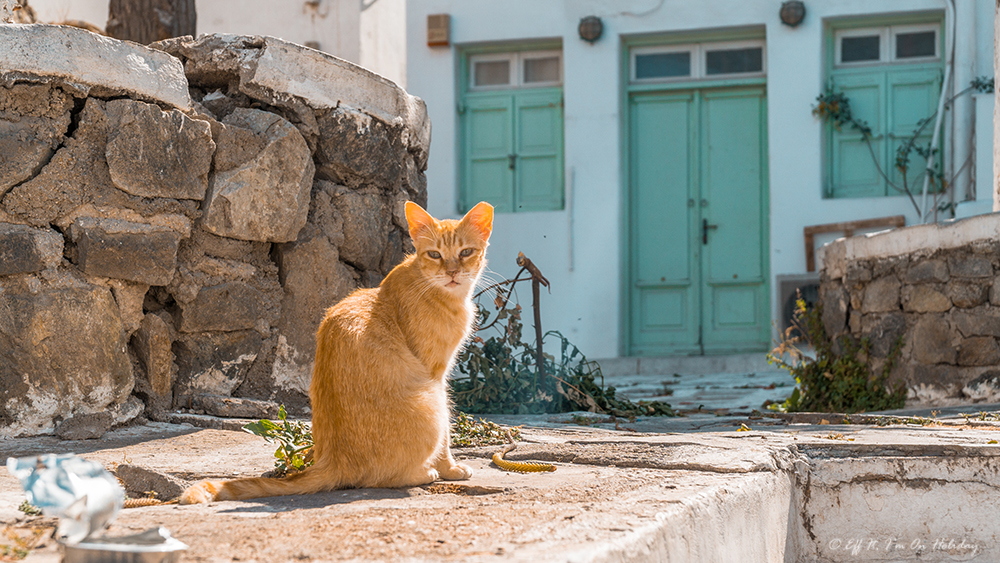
{"type": "Point", "coordinates": [698, 159]}
{"type": "Point", "coordinates": [488, 144]}
{"type": "Point", "coordinates": [913, 96]}
{"type": "Point", "coordinates": [663, 271]}
{"type": "Point", "coordinates": [855, 173]}
{"type": "Point", "coordinates": [539, 150]}
{"type": "Point", "coordinates": [733, 182]}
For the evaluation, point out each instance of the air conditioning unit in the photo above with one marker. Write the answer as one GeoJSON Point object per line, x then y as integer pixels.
{"type": "Point", "coordinates": [789, 287]}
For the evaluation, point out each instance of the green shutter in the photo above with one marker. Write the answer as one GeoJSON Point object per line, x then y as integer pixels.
{"type": "Point", "coordinates": [539, 149]}
{"type": "Point", "coordinates": [913, 96]}
{"type": "Point", "coordinates": [488, 139]}
{"type": "Point", "coordinates": [854, 172]}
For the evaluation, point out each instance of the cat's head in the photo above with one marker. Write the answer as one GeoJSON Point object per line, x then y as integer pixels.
{"type": "Point", "coordinates": [451, 254]}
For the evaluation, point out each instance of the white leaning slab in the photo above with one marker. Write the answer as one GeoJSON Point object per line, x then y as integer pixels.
{"type": "Point", "coordinates": [324, 81]}
{"type": "Point", "coordinates": [84, 58]}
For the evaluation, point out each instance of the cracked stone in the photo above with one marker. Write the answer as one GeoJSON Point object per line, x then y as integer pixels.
{"type": "Point", "coordinates": [153, 153]}
{"type": "Point", "coordinates": [265, 197]}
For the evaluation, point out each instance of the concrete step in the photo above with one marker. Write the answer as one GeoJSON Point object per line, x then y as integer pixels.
{"type": "Point", "coordinates": [699, 488]}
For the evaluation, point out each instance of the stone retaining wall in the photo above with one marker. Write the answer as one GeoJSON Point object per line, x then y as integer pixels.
{"type": "Point", "coordinates": [175, 220]}
{"type": "Point", "coordinates": [937, 287]}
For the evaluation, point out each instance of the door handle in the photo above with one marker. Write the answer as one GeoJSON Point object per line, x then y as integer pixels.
{"type": "Point", "coordinates": [704, 230]}
{"type": "Point", "coordinates": [511, 161]}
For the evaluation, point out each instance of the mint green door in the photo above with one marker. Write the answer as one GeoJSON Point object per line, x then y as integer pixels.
{"type": "Point", "coordinates": [698, 275]}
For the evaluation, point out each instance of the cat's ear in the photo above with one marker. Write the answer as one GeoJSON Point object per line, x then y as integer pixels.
{"type": "Point", "coordinates": [480, 218]}
{"type": "Point", "coordinates": [417, 219]}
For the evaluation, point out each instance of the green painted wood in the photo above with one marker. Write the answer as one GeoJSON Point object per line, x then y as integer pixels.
{"type": "Point", "coordinates": [539, 148]}
{"type": "Point", "coordinates": [912, 95]}
{"type": "Point", "coordinates": [694, 156]}
{"type": "Point", "coordinates": [488, 139]}
{"type": "Point", "coordinates": [892, 98]}
{"type": "Point", "coordinates": [853, 171]}
{"type": "Point", "coordinates": [664, 272]}
{"type": "Point", "coordinates": [512, 150]}
{"type": "Point", "coordinates": [735, 313]}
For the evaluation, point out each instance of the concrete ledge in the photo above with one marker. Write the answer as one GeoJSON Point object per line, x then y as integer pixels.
{"type": "Point", "coordinates": [90, 60]}
{"type": "Point", "coordinates": [836, 255]}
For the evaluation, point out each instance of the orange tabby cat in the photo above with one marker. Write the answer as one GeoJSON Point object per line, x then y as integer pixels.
{"type": "Point", "coordinates": [379, 390]}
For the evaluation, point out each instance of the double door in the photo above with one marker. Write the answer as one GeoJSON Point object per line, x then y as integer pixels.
{"type": "Point", "coordinates": [698, 263]}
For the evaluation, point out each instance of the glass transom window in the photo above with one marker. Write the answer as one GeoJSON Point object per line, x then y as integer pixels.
{"type": "Point", "coordinates": [886, 45]}
{"type": "Point", "coordinates": [529, 69]}
{"type": "Point", "coordinates": [697, 61]}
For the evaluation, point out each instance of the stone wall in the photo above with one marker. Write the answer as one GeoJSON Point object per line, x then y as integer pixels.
{"type": "Point", "coordinates": [175, 220]}
{"type": "Point", "coordinates": [937, 287]}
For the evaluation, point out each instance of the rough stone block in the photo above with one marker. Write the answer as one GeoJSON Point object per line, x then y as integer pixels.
{"type": "Point", "coordinates": [924, 298]}
{"type": "Point", "coordinates": [24, 249]}
{"type": "Point", "coordinates": [886, 333]}
{"type": "Point", "coordinates": [964, 265]}
{"type": "Point", "coordinates": [925, 271]}
{"type": "Point", "coordinates": [226, 307]}
{"type": "Point", "coordinates": [153, 153]}
{"type": "Point", "coordinates": [152, 345]}
{"type": "Point", "coordinates": [979, 351]}
{"type": "Point", "coordinates": [62, 351]}
{"type": "Point", "coordinates": [976, 322]}
{"type": "Point", "coordinates": [933, 340]}
{"type": "Point", "coordinates": [86, 59]}
{"type": "Point", "coordinates": [130, 297]}
{"type": "Point", "coordinates": [85, 426]}
{"type": "Point", "coordinates": [34, 119]}
{"type": "Point", "coordinates": [71, 177]}
{"type": "Point", "coordinates": [984, 389]}
{"type": "Point", "coordinates": [213, 363]}
{"type": "Point", "coordinates": [856, 274]}
{"type": "Point", "coordinates": [835, 301]}
{"type": "Point", "coordinates": [265, 198]}
{"type": "Point", "coordinates": [366, 219]}
{"type": "Point", "coordinates": [314, 279]}
{"type": "Point", "coordinates": [356, 149]}
{"type": "Point", "coordinates": [881, 295]}
{"type": "Point", "coordinates": [995, 292]}
{"type": "Point", "coordinates": [139, 482]}
{"type": "Point", "coordinates": [124, 250]}
{"type": "Point", "coordinates": [234, 407]}
{"type": "Point", "coordinates": [324, 81]}
{"type": "Point", "coordinates": [967, 294]}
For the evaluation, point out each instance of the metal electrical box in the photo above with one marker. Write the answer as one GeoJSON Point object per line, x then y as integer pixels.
{"type": "Point", "coordinates": [438, 30]}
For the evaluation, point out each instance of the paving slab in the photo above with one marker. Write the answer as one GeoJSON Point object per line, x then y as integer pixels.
{"type": "Point", "coordinates": [696, 488]}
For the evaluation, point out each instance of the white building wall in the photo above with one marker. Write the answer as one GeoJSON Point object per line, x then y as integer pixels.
{"type": "Point", "coordinates": [54, 11]}
{"type": "Point", "coordinates": [334, 24]}
{"type": "Point", "coordinates": [383, 39]}
{"type": "Point", "coordinates": [586, 298]}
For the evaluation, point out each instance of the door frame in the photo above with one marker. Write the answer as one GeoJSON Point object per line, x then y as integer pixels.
{"type": "Point", "coordinates": [626, 90]}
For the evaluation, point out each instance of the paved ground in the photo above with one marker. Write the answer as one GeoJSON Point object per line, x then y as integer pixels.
{"type": "Point", "coordinates": [617, 491]}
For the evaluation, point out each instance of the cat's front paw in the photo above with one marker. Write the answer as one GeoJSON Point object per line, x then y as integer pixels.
{"type": "Point", "coordinates": [457, 472]}
{"type": "Point", "coordinates": [200, 493]}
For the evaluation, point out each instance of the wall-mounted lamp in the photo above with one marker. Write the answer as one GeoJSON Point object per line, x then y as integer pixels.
{"type": "Point", "coordinates": [792, 12]}
{"type": "Point", "coordinates": [590, 28]}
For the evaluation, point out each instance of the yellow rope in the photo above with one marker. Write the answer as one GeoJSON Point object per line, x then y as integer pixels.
{"type": "Point", "coordinates": [518, 466]}
{"type": "Point", "coordinates": [141, 502]}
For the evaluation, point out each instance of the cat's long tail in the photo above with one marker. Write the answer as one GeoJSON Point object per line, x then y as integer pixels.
{"type": "Point", "coordinates": [310, 480]}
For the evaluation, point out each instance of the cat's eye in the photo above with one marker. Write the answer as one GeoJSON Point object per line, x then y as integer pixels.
{"type": "Point", "coordinates": [466, 252]}
{"type": "Point", "coordinates": [434, 254]}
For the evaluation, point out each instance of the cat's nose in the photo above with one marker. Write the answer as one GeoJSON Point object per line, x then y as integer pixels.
{"type": "Point", "coordinates": [451, 273]}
